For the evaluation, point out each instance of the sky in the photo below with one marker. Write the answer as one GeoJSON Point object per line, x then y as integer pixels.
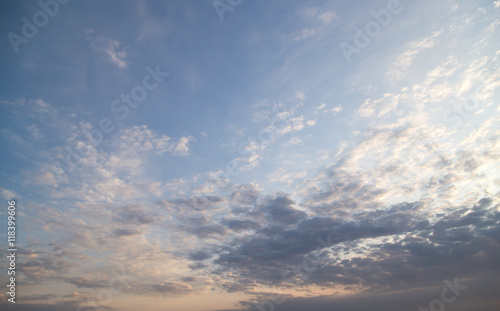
{"type": "Point", "coordinates": [251, 155]}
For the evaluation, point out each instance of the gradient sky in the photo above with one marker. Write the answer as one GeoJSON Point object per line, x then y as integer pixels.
{"type": "Point", "coordinates": [251, 155]}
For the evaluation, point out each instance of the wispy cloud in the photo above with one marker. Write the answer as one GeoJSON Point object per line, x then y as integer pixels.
{"type": "Point", "coordinates": [400, 66]}
{"type": "Point", "coordinates": [112, 49]}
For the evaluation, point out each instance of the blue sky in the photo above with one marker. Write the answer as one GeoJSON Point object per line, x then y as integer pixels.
{"type": "Point", "coordinates": [198, 151]}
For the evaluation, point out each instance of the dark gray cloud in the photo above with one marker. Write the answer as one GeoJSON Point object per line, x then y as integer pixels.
{"type": "Point", "coordinates": [47, 266]}
{"type": "Point", "coordinates": [341, 193]}
{"type": "Point", "coordinates": [87, 282]}
{"type": "Point", "coordinates": [198, 256]}
{"type": "Point", "coordinates": [197, 266]}
{"type": "Point", "coordinates": [172, 288]}
{"type": "Point", "coordinates": [136, 215]}
{"type": "Point", "coordinates": [274, 245]}
{"type": "Point", "coordinates": [126, 232]}
{"type": "Point", "coordinates": [409, 250]}
{"type": "Point", "coordinates": [62, 306]}
{"type": "Point", "coordinates": [208, 230]}
{"type": "Point", "coordinates": [244, 195]}
{"type": "Point", "coordinates": [280, 209]}
{"type": "Point", "coordinates": [201, 226]}
{"type": "Point", "coordinates": [39, 297]}
{"type": "Point", "coordinates": [192, 215]}
{"type": "Point", "coordinates": [238, 225]}
{"type": "Point", "coordinates": [341, 235]}
{"type": "Point", "coordinates": [200, 203]}
{"type": "Point", "coordinates": [480, 295]}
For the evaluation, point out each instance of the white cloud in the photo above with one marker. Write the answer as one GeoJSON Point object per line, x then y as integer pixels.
{"type": "Point", "coordinates": [400, 66]}
{"type": "Point", "coordinates": [295, 141]}
{"type": "Point", "coordinates": [295, 124]}
{"type": "Point", "coordinates": [367, 89]}
{"type": "Point", "coordinates": [327, 17]}
{"type": "Point", "coordinates": [284, 176]}
{"type": "Point", "coordinates": [413, 154]}
{"type": "Point", "coordinates": [367, 109]}
{"type": "Point", "coordinates": [142, 139]}
{"type": "Point", "coordinates": [44, 179]}
{"type": "Point", "coordinates": [244, 164]}
{"type": "Point", "coordinates": [7, 194]}
{"type": "Point", "coordinates": [35, 132]}
{"type": "Point", "coordinates": [182, 146]}
{"type": "Point", "coordinates": [316, 13]}
{"type": "Point", "coordinates": [16, 138]}
{"type": "Point", "coordinates": [322, 106]}
{"type": "Point", "coordinates": [116, 53]}
{"type": "Point", "coordinates": [109, 47]}
{"type": "Point", "coordinates": [300, 95]}
{"type": "Point", "coordinates": [305, 33]}
{"type": "Point", "coordinates": [309, 12]}
{"type": "Point", "coordinates": [337, 109]}
{"type": "Point", "coordinates": [110, 173]}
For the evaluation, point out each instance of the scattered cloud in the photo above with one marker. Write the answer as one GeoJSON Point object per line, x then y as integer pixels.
{"type": "Point", "coordinates": [8, 194]}
{"type": "Point", "coordinates": [397, 70]}
{"type": "Point", "coordinates": [112, 49]}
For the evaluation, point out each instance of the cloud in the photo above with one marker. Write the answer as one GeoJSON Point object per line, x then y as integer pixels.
{"type": "Point", "coordinates": [309, 11]}
{"type": "Point", "coordinates": [300, 95]}
{"type": "Point", "coordinates": [61, 306]}
{"type": "Point", "coordinates": [35, 132]}
{"type": "Point", "coordinates": [201, 224]}
{"type": "Point", "coordinates": [96, 281]}
{"type": "Point", "coordinates": [362, 205]}
{"type": "Point", "coordinates": [238, 225]}
{"type": "Point", "coordinates": [142, 139]}
{"type": "Point", "coordinates": [286, 177]}
{"type": "Point", "coordinates": [403, 62]}
{"type": "Point", "coordinates": [294, 124]}
{"type": "Point", "coordinates": [182, 147]}
{"type": "Point", "coordinates": [172, 288]}
{"type": "Point", "coordinates": [199, 256]}
{"type": "Point", "coordinates": [246, 194]}
{"type": "Point", "coordinates": [279, 209]}
{"type": "Point", "coordinates": [244, 164]}
{"type": "Point", "coordinates": [117, 56]}
{"type": "Point", "coordinates": [295, 141]}
{"type": "Point", "coordinates": [44, 178]}
{"type": "Point", "coordinates": [201, 203]}
{"type": "Point", "coordinates": [45, 267]}
{"type": "Point", "coordinates": [327, 17]}
{"type": "Point", "coordinates": [337, 109]}
{"type": "Point", "coordinates": [109, 47]}
{"type": "Point", "coordinates": [321, 107]}
{"type": "Point", "coordinates": [126, 232]}
{"type": "Point", "coordinates": [316, 13]}
{"type": "Point", "coordinates": [304, 34]}
{"type": "Point", "coordinates": [99, 174]}
{"type": "Point", "coordinates": [409, 202]}
{"type": "Point", "coordinates": [379, 250]}
{"type": "Point", "coordinates": [479, 293]}
{"type": "Point", "coordinates": [136, 215]}
{"type": "Point", "coordinates": [8, 194]}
